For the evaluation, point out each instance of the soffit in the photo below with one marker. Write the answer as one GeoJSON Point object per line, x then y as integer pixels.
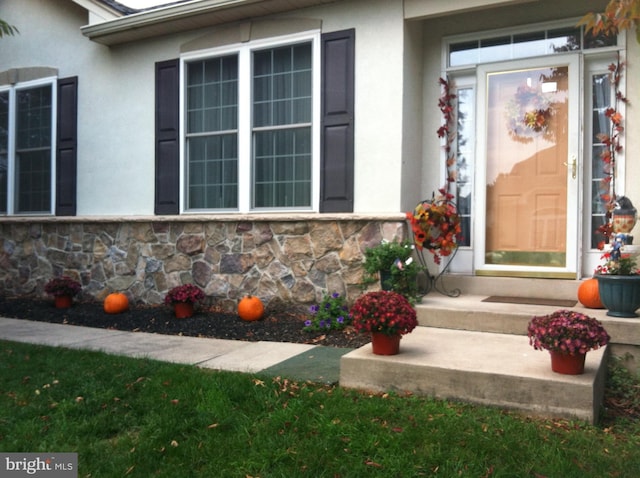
{"type": "Point", "coordinates": [421, 9]}
{"type": "Point", "coordinates": [188, 16]}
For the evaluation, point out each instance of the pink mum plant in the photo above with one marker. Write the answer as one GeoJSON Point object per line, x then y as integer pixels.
{"type": "Point", "coordinates": [184, 293]}
{"type": "Point", "coordinates": [567, 332]}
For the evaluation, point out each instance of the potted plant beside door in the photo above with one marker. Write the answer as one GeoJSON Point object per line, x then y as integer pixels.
{"type": "Point", "coordinates": [391, 262]}
{"type": "Point", "coordinates": [619, 281]}
{"type": "Point", "coordinates": [568, 336]}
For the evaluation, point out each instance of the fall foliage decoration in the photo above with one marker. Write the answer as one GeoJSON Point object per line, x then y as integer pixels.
{"type": "Point", "coordinates": [612, 147]}
{"type": "Point", "coordinates": [435, 223]}
{"type": "Point", "coordinates": [250, 308]}
{"type": "Point", "coordinates": [618, 15]}
{"type": "Point", "coordinates": [116, 303]}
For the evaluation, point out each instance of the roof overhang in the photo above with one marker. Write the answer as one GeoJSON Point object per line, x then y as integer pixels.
{"type": "Point", "coordinates": [187, 16]}
{"type": "Point", "coordinates": [421, 9]}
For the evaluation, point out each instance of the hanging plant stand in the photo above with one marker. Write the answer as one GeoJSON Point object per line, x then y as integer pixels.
{"type": "Point", "coordinates": [436, 228]}
{"type": "Point", "coordinates": [436, 282]}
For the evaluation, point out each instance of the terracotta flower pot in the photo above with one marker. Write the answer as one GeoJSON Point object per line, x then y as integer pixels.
{"type": "Point", "coordinates": [183, 310]}
{"type": "Point", "coordinates": [384, 344]}
{"type": "Point", "coordinates": [567, 364]}
{"type": "Point", "coordinates": [63, 301]}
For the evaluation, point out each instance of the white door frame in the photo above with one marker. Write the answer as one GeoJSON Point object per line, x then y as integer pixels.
{"type": "Point", "coordinates": [574, 185]}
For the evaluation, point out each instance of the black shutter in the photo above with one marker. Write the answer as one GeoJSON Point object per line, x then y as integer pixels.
{"type": "Point", "coordinates": [67, 147]}
{"type": "Point", "coordinates": [336, 176]}
{"type": "Point", "coordinates": [167, 195]}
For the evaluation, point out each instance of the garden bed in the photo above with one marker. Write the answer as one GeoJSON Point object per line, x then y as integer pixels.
{"type": "Point", "coordinates": [278, 325]}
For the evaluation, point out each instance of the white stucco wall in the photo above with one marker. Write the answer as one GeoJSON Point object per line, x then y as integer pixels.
{"type": "Point", "coordinates": [632, 116]}
{"type": "Point", "coordinates": [116, 98]}
{"type": "Point", "coordinates": [397, 153]}
{"type": "Point", "coordinates": [379, 93]}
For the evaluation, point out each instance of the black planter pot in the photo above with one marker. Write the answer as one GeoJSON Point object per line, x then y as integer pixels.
{"type": "Point", "coordinates": [620, 294]}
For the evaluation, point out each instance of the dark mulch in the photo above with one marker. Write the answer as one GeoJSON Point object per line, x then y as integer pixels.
{"type": "Point", "coordinates": [278, 325]}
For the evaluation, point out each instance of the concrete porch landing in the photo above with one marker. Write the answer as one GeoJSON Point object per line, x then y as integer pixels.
{"type": "Point", "coordinates": [480, 367]}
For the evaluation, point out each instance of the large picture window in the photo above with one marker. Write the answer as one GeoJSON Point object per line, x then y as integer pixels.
{"type": "Point", "coordinates": [249, 129]}
{"type": "Point", "coordinates": [26, 149]}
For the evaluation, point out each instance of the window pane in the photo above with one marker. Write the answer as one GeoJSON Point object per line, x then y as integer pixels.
{"type": "Point", "coordinates": [282, 86]}
{"type": "Point", "coordinates": [212, 95]}
{"type": "Point", "coordinates": [4, 146]}
{"type": "Point", "coordinates": [601, 100]}
{"type": "Point", "coordinates": [282, 168]}
{"type": "Point", "coordinates": [33, 150]}
{"type": "Point", "coordinates": [563, 40]}
{"type": "Point", "coordinates": [33, 181]}
{"type": "Point", "coordinates": [213, 172]}
{"type": "Point", "coordinates": [212, 107]}
{"type": "Point", "coordinates": [523, 45]}
{"type": "Point", "coordinates": [465, 159]}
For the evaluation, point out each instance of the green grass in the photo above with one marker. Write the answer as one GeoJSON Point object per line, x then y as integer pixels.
{"type": "Point", "coordinates": [142, 418]}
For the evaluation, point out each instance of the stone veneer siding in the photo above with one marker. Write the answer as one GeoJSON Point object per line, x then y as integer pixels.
{"type": "Point", "coordinates": [291, 259]}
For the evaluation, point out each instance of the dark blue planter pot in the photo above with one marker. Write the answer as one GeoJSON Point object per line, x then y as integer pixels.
{"type": "Point", "coordinates": [619, 294]}
{"type": "Point", "coordinates": [385, 280]}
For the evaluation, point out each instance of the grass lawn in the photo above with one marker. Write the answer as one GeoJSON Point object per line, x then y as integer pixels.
{"type": "Point", "coordinates": [142, 418]}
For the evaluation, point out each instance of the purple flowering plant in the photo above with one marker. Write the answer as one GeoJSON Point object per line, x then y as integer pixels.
{"type": "Point", "coordinates": [184, 293]}
{"type": "Point", "coordinates": [566, 331]}
{"type": "Point", "coordinates": [384, 311]}
{"type": "Point", "coordinates": [331, 313]}
{"type": "Point", "coordinates": [59, 286]}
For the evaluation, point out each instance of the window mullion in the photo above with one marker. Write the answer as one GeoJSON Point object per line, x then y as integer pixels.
{"type": "Point", "coordinates": [11, 153]}
{"type": "Point", "coordinates": [245, 124]}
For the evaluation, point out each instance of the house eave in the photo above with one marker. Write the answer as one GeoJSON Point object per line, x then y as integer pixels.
{"type": "Point", "coordinates": [421, 10]}
{"type": "Point", "coordinates": [187, 16]}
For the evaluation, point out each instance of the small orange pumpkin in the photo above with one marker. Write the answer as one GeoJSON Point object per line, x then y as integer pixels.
{"type": "Point", "coordinates": [588, 294]}
{"type": "Point", "coordinates": [116, 303]}
{"type": "Point", "coordinates": [250, 308]}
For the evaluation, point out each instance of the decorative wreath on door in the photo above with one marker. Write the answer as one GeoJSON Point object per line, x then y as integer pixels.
{"type": "Point", "coordinates": [529, 114]}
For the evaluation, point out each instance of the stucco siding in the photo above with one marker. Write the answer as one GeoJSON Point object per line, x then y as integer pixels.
{"type": "Point", "coordinates": [116, 98]}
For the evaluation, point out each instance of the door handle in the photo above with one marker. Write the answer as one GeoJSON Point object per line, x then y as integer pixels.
{"type": "Point", "coordinates": [574, 166]}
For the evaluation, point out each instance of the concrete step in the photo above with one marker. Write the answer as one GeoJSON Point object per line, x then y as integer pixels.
{"type": "Point", "coordinates": [480, 367]}
{"type": "Point", "coordinates": [469, 312]}
{"type": "Point", "coordinates": [515, 286]}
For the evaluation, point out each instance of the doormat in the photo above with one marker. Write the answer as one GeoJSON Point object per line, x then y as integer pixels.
{"type": "Point", "coordinates": [531, 301]}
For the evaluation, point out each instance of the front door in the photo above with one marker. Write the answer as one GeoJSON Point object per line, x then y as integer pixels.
{"type": "Point", "coordinates": [527, 184]}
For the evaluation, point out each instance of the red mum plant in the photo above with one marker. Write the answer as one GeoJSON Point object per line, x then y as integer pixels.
{"type": "Point", "coordinates": [567, 332]}
{"type": "Point", "coordinates": [60, 286]}
{"type": "Point", "coordinates": [184, 293]}
{"type": "Point", "coordinates": [383, 311]}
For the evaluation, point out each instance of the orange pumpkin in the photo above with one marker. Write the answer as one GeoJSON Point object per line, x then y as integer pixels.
{"type": "Point", "coordinates": [116, 303]}
{"type": "Point", "coordinates": [588, 294]}
{"type": "Point", "coordinates": [250, 308]}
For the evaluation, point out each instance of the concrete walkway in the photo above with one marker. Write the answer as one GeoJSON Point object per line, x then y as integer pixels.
{"type": "Point", "coordinates": [292, 360]}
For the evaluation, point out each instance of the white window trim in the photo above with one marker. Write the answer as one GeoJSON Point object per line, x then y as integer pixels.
{"type": "Point", "coordinates": [532, 27]}
{"type": "Point", "coordinates": [11, 140]}
{"type": "Point", "coordinates": [245, 175]}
